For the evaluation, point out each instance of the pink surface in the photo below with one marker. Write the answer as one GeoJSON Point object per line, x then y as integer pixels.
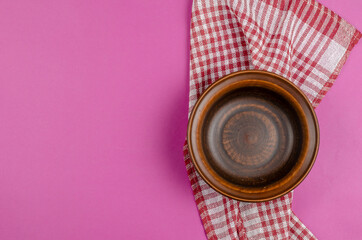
{"type": "Point", "coordinates": [93, 114]}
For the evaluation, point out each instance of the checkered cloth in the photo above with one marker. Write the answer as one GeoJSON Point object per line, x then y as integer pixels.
{"type": "Point", "coordinates": [298, 39]}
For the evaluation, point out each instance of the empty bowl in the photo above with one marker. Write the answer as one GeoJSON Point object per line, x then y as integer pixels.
{"type": "Point", "coordinates": [253, 136]}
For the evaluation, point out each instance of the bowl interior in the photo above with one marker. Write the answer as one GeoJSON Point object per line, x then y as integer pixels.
{"type": "Point", "coordinates": [253, 136]}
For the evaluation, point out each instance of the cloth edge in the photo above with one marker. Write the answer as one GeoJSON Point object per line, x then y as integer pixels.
{"type": "Point", "coordinates": [327, 86]}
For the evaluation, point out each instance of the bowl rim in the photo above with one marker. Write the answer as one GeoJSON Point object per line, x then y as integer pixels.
{"type": "Point", "coordinates": [192, 120]}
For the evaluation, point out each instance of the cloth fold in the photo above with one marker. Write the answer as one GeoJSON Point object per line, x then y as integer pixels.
{"type": "Point", "coordinates": [299, 39]}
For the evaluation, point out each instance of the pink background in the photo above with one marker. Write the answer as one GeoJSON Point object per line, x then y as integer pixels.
{"type": "Point", "coordinates": [93, 114]}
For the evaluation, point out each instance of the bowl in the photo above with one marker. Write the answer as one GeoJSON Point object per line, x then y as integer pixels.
{"type": "Point", "coordinates": [253, 136]}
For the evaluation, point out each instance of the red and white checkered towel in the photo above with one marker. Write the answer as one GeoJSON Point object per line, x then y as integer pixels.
{"type": "Point", "coordinates": [298, 39]}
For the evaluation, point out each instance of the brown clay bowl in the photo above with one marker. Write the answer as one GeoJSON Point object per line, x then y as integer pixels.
{"type": "Point", "coordinates": [253, 136]}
